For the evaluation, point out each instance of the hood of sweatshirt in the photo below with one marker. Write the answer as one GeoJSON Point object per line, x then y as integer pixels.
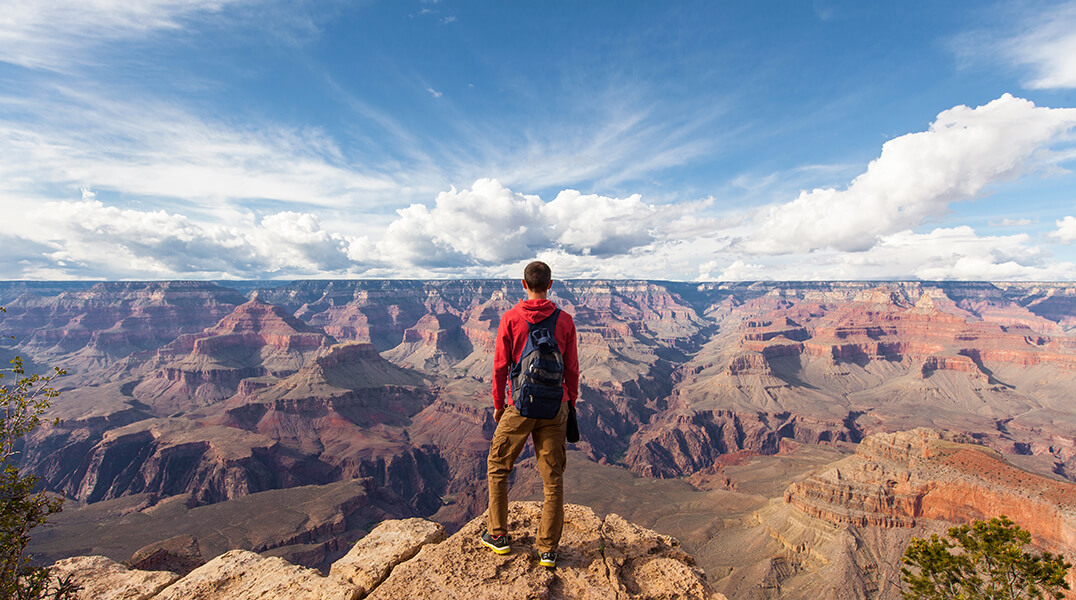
{"type": "Point", "coordinates": [536, 310]}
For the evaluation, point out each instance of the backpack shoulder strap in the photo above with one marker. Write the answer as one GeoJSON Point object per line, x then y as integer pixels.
{"type": "Point", "coordinates": [549, 322]}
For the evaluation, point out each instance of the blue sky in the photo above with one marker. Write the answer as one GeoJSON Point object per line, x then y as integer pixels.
{"type": "Point", "coordinates": [431, 139]}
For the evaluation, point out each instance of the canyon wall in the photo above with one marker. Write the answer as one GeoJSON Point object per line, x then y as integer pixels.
{"type": "Point", "coordinates": [212, 394]}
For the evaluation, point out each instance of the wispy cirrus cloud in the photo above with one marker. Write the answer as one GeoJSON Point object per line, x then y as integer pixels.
{"type": "Point", "coordinates": [68, 139]}
{"type": "Point", "coordinates": [1046, 45]}
{"type": "Point", "coordinates": [55, 34]}
{"type": "Point", "coordinates": [624, 140]}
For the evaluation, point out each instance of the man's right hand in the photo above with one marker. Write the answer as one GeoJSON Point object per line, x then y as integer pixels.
{"type": "Point", "coordinates": [497, 414]}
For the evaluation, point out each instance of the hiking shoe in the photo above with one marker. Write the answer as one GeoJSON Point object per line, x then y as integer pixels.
{"type": "Point", "coordinates": [548, 559]}
{"type": "Point", "coordinates": [497, 543]}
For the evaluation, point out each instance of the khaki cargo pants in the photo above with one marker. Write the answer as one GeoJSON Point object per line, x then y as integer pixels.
{"type": "Point", "coordinates": [549, 448]}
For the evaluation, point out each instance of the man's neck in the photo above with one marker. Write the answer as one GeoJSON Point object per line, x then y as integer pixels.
{"type": "Point", "coordinates": [536, 295]}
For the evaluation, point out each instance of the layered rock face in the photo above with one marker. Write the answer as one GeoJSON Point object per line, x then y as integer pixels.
{"type": "Point", "coordinates": [901, 479]}
{"type": "Point", "coordinates": [255, 340]}
{"type": "Point", "coordinates": [84, 329]}
{"type": "Point", "coordinates": [600, 558]}
{"type": "Point", "coordinates": [841, 362]}
{"type": "Point", "coordinates": [178, 456]}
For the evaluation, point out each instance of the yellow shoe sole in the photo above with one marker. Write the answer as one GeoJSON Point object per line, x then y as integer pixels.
{"type": "Point", "coordinates": [494, 548]}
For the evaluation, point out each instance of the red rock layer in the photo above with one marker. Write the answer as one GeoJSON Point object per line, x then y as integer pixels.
{"type": "Point", "coordinates": [254, 340]}
{"type": "Point", "coordinates": [876, 326]}
{"type": "Point", "coordinates": [895, 480]}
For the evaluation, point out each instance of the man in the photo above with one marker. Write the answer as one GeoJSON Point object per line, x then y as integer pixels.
{"type": "Point", "coordinates": [548, 434]}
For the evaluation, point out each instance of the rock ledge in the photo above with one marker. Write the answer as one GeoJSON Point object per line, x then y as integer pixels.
{"type": "Point", "coordinates": [599, 558]}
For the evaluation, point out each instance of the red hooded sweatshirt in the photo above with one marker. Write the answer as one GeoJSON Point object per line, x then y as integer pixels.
{"type": "Point", "coordinates": [512, 336]}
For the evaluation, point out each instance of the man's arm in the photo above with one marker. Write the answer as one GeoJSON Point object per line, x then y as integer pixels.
{"type": "Point", "coordinates": [571, 363]}
{"type": "Point", "coordinates": [501, 364]}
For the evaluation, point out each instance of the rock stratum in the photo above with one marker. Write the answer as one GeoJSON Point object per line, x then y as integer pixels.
{"type": "Point", "coordinates": [600, 558]}
{"type": "Point", "coordinates": [353, 402]}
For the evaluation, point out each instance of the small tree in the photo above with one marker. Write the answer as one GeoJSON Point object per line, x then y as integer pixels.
{"type": "Point", "coordinates": [22, 402]}
{"type": "Point", "coordinates": [989, 563]}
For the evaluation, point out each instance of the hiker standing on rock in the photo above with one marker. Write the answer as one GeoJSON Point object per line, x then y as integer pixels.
{"type": "Point", "coordinates": [536, 368]}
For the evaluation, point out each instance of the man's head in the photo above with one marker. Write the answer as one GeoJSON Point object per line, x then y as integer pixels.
{"type": "Point", "coordinates": [537, 277]}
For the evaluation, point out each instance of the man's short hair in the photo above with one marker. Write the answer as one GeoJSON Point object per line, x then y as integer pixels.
{"type": "Point", "coordinates": [537, 276]}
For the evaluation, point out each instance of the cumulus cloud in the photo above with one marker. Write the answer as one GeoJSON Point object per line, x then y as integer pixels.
{"type": "Point", "coordinates": [916, 177]}
{"type": "Point", "coordinates": [738, 270]}
{"type": "Point", "coordinates": [592, 224]}
{"type": "Point", "coordinates": [1048, 48]}
{"type": "Point", "coordinates": [1066, 230]}
{"type": "Point", "coordinates": [952, 253]}
{"type": "Point", "coordinates": [91, 239]}
{"type": "Point", "coordinates": [490, 224]}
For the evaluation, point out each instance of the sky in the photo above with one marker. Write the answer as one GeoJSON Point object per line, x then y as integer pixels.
{"type": "Point", "coordinates": [680, 140]}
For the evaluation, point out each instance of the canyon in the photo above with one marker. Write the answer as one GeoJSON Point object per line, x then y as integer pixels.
{"type": "Point", "coordinates": [330, 406]}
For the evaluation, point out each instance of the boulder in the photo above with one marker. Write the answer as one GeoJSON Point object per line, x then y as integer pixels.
{"type": "Point", "coordinates": [179, 554]}
{"type": "Point", "coordinates": [373, 557]}
{"type": "Point", "coordinates": [101, 578]}
{"type": "Point", "coordinates": [244, 575]}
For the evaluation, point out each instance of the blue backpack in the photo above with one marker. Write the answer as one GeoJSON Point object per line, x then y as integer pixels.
{"type": "Point", "coordinates": [537, 379]}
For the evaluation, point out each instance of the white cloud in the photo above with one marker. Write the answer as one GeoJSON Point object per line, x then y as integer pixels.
{"type": "Point", "coordinates": [91, 239]}
{"type": "Point", "coordinates": [1048, 48]}
{"type": "Point", "coordinates": [592, 224]}
{"type": "Point", "coordinates": [958, 253]}
{"type": "Point", "coordinates": [487, 224]}
{"type": "Point", "coordinates": [916, 177]}
{"type": "Point", "coordinates": [738, 270]}
{"type": "Point", "coordinates": [490, 224]}
{"type": "Point", "coordinates": [434, 92]}
{"type": "Point", "coordinates": [1066, 230]}
{"type": "Point", "coordinates": [75, 140]}
{"type": "Point", "coordinates": [955, 253]}
{"type": "Point", "coordinates": [51, 34]}
{"type": "Point", "coordinates": [1007, 222]}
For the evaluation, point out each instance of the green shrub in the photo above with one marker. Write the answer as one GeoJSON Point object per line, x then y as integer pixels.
{"type": "Point", "coordinates": [983, 561]}
{"type": "Point", "coordinates": [23, 398]}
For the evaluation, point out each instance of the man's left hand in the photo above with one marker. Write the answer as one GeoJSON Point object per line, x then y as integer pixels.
{"type": "Point", "coordinates": [497, 414]}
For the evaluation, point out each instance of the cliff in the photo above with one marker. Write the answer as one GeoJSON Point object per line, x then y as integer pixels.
{"type": "Point", "coordinates": [606, 558]}
{"type": "Point", "coordinates": [904, 478]}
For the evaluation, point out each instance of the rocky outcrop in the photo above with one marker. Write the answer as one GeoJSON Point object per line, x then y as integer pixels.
{"type": "Point", "coordinates": [371, 560]}
{"type": "Point", "coordinates": [244, 575]}
{"type": "Point", "coordinates": [599, 558]}
{"type": "Point", "coordinates": [101, 578]}
{"type": "Point", "coordinates": [436, 342]}
{"type": "Point", "coordinates": [179, 554]}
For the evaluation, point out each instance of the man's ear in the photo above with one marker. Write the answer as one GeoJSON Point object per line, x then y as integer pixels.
{"type": "Point", "coordinates": [525, 284]}
{"type": "Point", "coordinates": [550, 286]}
